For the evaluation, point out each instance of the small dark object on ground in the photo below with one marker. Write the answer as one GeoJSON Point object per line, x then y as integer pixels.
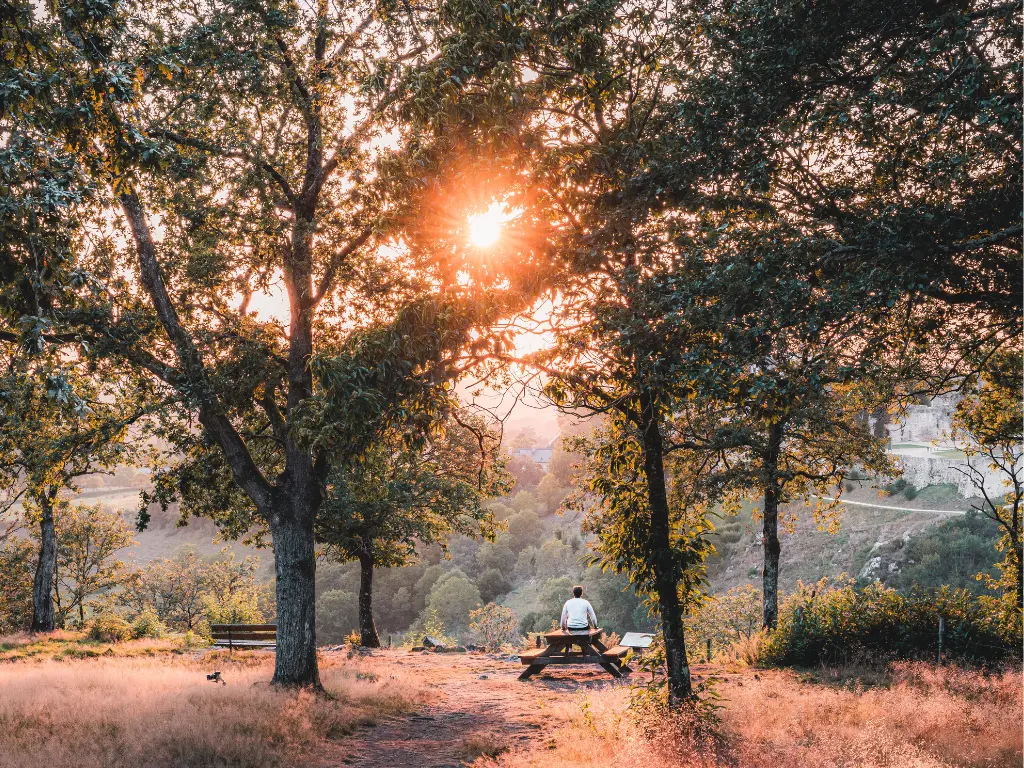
{"type": "Point", "coordinates": [216, 678]}
{"type": "Point", "coordinates": [432, 642]}
{"type": "Point", "coordinates": [417, 649]}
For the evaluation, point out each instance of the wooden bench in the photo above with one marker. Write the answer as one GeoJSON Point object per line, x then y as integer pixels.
{"type": "Point", "coordinates": [528, 656]}
{"type": "Point", "coordinates": [244, 635]}
{"type": "Point", "coordinates": [617, 653]}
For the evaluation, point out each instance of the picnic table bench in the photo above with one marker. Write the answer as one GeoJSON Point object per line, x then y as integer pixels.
{"type": "Point", "coordinates": [244, 635]}
{"type": "Point", "coordinates": [559, 650]}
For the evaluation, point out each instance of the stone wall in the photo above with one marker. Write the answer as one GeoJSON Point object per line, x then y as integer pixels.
{"type": "Point", "coordinates": [920, 471]}
{"type": "Point", "coordinates": [925, 423]}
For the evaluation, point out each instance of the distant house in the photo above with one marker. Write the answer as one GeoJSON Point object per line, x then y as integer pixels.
{"type": "Point", "coordinates": [540, 455]}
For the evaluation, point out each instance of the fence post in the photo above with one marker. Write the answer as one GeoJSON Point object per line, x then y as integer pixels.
{"type": "Point", "coordinates": [538, 641]}
{"type": "Point", "coordinates": [707, 658]}
{"type": "Point", "coordinates": [942, 630]}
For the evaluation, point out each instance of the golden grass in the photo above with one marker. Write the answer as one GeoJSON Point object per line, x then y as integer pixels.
{"type": "Point", "coordinates": [927, 717]}
{"type": "Point", "coordinates": [163, 713]}
{"type": "Point", "coordinates": [63, 644]}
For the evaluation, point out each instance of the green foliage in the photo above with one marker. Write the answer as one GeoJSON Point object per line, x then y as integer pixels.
{"type": "Point", "coordinates": [523, 529]}
{"type": "Point", "coordinates": [184, 590]}
{"type": "Point", "coordinates": [110, 627]}
{"type": "Point", "coordinates": [148, 624]}
{"type": "Point", "coordinates": [89, 538]}
{"type": "Point", "coordinates": [17, 564]}
{"type": "Point", "coordinates": [824, 624]}
{"type": "Point", "coordinates": [550, 492]}
{"type": "Point", "coordinates": [493, 584]}
{"type": "Point", "coordinates": [614, 473]}
{"type": "Point", "coordinates": [898, 486]}
{"type": "Point", "coordinates": [428, 624]}
{"type": "Point", "coordinates": [337, 614]}
{"type": "Point", "coordinates": [556, 558]}
{"type": "Point", "coordinates": [989, 427]}
{"type": "Point", "coordinates": [727, 618]}
{"type": "Point", "coordinates": [497, 556]}
{"type": "Point", "coordinates": [452, 598]}
{"type": "Point", "coordinates": [953, 553]}
{"type": "Point", "coordinates": [496, 623]}
{"type": "Point", "coordinates": [553, 594]}
{"type": "Point", "coordinates": [397, 497]}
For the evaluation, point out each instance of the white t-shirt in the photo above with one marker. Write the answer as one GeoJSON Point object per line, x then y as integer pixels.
{"type": "Point", "coordinates": [577, 612]}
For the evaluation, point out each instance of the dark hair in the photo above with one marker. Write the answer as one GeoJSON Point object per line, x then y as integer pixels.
{"type": "Point", "coordinates": [577, 591]}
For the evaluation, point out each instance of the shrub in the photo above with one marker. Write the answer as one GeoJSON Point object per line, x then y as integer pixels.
{"type": "Point", "coordinates": [954, 552]}
{"type": "Point", "coordinates": [537, 622]}
{"type": "Point", "coordinates": [17, 564]}
{"type": "Point", "coordinates": [110, 627]}
{"type": "Point", "coordinates": [148, 624]}
{"type": "Point", "coordinates": [896, 487]}
{"type": "Point", "coordinates": [910, 492]}
{"type": "Point", "coordinates": [337, 614]}
{"type": "Point", "coordinates": [452, 597]}
{"type": "Point", "coordinates": [492, 585]}
{"type": "Point", "coordinates": [428, 624]}
{"type": "Point", "coordinates": [726, 619]}
{"type": "Point", "coordinates": [827, 625]}
{"type": "Point", "coordinates": [496, 623]}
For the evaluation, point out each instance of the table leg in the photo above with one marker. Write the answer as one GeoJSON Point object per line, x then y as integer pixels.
{"type": "Point", "coordinates": [530, 671]}
{"type": "Point", "coordinates": [612, 669]}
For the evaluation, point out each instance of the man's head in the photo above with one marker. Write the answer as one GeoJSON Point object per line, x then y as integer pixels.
{"type": "Point", "coordinates": [577, 591]}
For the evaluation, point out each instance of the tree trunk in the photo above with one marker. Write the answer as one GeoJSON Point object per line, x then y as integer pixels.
{"type": "Point", "coordinates": [770, 531]}
{"type": "Point", "coordinates": [368, 632]}
{"type": "Point", "coordinates": [666, 571]}
{"type": "Point", "coordinates": [42, 590]}
{"type": "Point", "coordinates": [295, 567]}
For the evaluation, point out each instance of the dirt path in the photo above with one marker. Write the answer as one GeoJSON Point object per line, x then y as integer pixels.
{"type": "Point", "coordinates": [475, 706]}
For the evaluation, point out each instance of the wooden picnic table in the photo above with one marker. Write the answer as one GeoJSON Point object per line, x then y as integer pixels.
{"type": "Point", "coordinates": [559, 650]}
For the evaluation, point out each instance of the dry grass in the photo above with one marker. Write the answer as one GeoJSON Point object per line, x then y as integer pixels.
{"type": "Point", "coordinates": [62, 645]}
{"type": "Point", "coordinates": [162, 712]}
{"type": "Point", "coordinates": [926, 717]}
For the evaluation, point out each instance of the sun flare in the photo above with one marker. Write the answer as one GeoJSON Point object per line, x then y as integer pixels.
{"type": "Point", "coordinates": [485, 228]}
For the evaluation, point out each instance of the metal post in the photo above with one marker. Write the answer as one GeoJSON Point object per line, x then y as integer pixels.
{"type": "Point", "coordinates": [942, 631]}
{"type": "Point", "coordinates": [538, 641]}
{"type": "Point", "coordinates": [231, 645]}
{"type": "Point", "coordinates": [708, 657]}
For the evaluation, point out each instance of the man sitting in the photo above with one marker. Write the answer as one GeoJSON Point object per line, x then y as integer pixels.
{"type": "Point", "coordinates": [578, 614]}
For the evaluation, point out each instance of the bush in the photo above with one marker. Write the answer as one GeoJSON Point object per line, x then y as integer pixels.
{"type": "Point", "coordinates": [496, 624]}
{"type": "Point", "coordinates": [893, 488]}
{"type": "Point", "coordinates": [428, 625]}
{"type": "Point", "coordinates": [110, 627]}
{"type": "Point", "coordinates": [537, 622]}
{"type": "Point", "coordinates": [452, 597]}
{"type": "Point", "coordinates": [148, 624]}
{"type": "Point", "coordinates": [17, 564]}
{"type": "Point", "coordinates": [492, 585]}
{"type": "Point", "coordinates": [954, 552]}
{"type": "Point", "coordinates": [827, 625]}
{"type": "Point", "coordinates": [726, 619]}
{"type": "Point", "coordinates": [910, 492]}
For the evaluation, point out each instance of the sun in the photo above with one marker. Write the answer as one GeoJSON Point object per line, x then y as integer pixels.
{"type": "Point", "coordinates": [485, 228]}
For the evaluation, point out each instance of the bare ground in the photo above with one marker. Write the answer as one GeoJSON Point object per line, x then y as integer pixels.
{"type": "Point", "coordinates": [474, 706]}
